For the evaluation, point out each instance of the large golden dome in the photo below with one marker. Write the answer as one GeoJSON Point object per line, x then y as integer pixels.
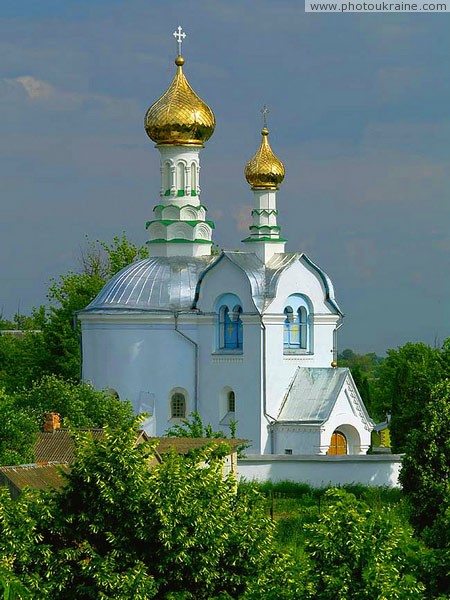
{"type": "Point", "coordinates": [264, 170]}
{"type": "Point", "coordinates": [180, 117]}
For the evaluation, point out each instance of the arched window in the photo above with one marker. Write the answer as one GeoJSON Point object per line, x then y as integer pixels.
{"type": "Point", "coordinates": [230, 329]}
{"type": "Point", "coordinates": [193, 179]}
{"type": "Point", "coordinates": [166, 178]}
{"type": "Point", "coordinates": [178, 406]}
{"type": "Point", "coordinates": [231, 402]}
{"type": "Point", "coordinates": [296, 335]}
{"type": "Point", "coordinates": [180, 177]}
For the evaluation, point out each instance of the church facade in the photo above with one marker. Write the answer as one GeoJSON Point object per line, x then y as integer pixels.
{"type": "Point", "coordinates": [246, 337]}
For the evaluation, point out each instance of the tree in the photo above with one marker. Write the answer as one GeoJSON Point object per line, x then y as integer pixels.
{"type": "Point", "coordinates": [403, 387]}
{"type": "Point", "coordinates": [425, 477]}
{"type": "Point", "coordinates": [18, 431]}
{"type": "Point", "coordinates": [79, 405]}
{"type": "Point", "coordinates": [363, 368]}
{"type": "Point", "coordinates": [119, 529]}
{"type": "Point", "coordinates": [193, 428]}
{"type": "Point", "coordinates": [359, 554]}
{"type": "Point", "coordinates": [425, 474]}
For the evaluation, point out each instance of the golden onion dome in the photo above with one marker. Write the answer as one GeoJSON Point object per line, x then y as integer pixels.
{"type": "Point", "coordinates": [264, 170]}
{"type": "Point", "coordinates": [180, 117]}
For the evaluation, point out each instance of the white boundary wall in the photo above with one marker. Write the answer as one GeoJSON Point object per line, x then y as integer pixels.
{"type": "Point", "coordinates": [320, 471]}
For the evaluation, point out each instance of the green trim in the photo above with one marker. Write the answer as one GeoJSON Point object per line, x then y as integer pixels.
{"type": "Point", "coordinates": [178, 241]}
{"type": "Point", "coordinates": [167, 222]}
{"type": "Point", "coordinates": [264, 239]}
{"type": "Point", "coordinates": [162, 206]}
{"type": "Point", "coordinates": [274, 227]}
{"type": "Point", "coordinates": [180, 193]}
{"type": "Point", "coordinates": [264, 211]}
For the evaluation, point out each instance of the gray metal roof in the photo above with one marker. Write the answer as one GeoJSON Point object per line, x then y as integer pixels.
{"type": "Point", "coordinates": [312, 394]}
{"type": "Point", "coordinates": [156, 283]}
{"type": "Point", "coordinates": [173, 283]}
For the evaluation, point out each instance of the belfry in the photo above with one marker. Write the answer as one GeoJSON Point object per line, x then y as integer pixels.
{"type": "Point", "coordinates": [245, 336]}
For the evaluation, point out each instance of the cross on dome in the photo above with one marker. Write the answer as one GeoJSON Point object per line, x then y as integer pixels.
{"type": "Point", "coordinates": [179, 35]}
{"type": "Point", "coordinates": [265, 112]}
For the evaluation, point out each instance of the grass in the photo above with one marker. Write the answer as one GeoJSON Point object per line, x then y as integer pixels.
{"type": "Point", "coordinates": [294, 505]}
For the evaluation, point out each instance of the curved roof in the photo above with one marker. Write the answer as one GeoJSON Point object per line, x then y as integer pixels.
{"type": "Point", "coordinates": [156, 283]}
{"type": "Point", "coordinates": [173, 283]}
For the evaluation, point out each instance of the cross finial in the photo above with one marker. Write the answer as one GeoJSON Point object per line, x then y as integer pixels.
{"type": "Point", "coordinates": [264, 112]}
{"type": "Point", "coordinates": [179, 35]}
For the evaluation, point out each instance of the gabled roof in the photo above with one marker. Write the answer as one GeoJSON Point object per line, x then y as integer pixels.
{"type": "Point", "coordinates": [39, 477]}
{"type": "Point", "coordinates": [58, 445]}
{"type": "Point", "coordinates": [312, 394]}
{"type": "Point", "coordinates": [264, 279]}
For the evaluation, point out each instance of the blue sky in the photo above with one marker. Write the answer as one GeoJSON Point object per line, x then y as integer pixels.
{"type": "Point", "coordinates": [359, 114]}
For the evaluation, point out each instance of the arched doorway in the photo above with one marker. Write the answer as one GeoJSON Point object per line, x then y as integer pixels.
{"type": "Point", "coordinates": [338, 443]}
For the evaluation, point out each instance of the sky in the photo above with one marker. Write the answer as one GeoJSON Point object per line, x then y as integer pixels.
{"type": "Point", "coordinates": [359, 115]}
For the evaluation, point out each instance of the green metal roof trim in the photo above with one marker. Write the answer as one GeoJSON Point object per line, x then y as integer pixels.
{"type": "Point", "coordinates": [179, 241]}
{"type": "Point", "coordinates": [264, 239]}
{"type": "Point", "coordinates": [167, 222]}
{"type": "Point", "coordinates": [199, 207]}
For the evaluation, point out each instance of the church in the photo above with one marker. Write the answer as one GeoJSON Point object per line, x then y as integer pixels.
{"type": "Point", "coordinates": [248, 338]}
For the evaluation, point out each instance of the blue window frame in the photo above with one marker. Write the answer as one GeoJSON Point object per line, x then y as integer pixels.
{"type": "Point", "coordinates": [230, 328]}
{"type": "Point", "coordinates": [295, 328]}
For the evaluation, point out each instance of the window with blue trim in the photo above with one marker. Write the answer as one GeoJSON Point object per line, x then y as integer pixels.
{"type": "Point", "coordinates": [230, 328]}
{"type": "Point", "coordinates": [296, 334]}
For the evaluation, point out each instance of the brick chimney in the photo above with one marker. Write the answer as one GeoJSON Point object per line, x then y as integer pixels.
{"type": "Point", "coordinates": [51, 422]}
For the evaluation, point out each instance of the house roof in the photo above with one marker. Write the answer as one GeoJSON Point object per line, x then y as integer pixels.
{"type": "Point", "coordinates": [312, 394]}
{"type": "Point", "coordinates": [183, 445]}
{"type": "Point", "coordinates": [35, 476]}
{"type": "Point", "coordinates": [58, 445]}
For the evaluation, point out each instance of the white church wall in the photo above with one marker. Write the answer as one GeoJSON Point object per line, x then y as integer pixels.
{"type": "Point", "coordinates": [143, 362]}
{"type": "Point", "coordinates": [296, 439]}
{"type": "Point", "coordinates": [231, 370]}
{"type": "Point", "coordinates": [320, 471]}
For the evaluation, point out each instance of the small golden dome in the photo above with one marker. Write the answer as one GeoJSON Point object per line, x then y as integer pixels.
{"type": "Point", "coordinates": [180, 117]}
{"type": "Point", "coordinates": [264, 170]}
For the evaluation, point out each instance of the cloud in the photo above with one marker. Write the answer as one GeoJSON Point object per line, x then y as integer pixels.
{"type": "Point", "coordinates": [243, 217]}
{"type": "Point", "coordinates": [35, 88]}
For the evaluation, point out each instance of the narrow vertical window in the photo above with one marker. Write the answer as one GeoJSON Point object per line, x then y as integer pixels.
{"type": "Point", "coordinates": [180, 178]}
{"type": "Point", "coordinates": [303, 328]}
{"type": "Point", "coordinates": [193, 179]}
{"type": "Point", "coordinates": [230, 328]}
{"type": "Point", "coordinates": [231, 402]}
{"type": "Point", "coordinates": [166, 178]}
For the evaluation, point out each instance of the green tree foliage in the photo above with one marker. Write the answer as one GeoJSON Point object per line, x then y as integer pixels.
{"type": "Point", "coordinates": [193, 428]}
{"type": "Point", "coordinates": [79, 406]}
{"type": "Point", "coordinates": [357, 553]}
{"type": "Point", "coordinates": [119, 529]}
{"type": "Point", "coordinates": [18, 431]}
{"type": "Point", "coordinates": [404, 384]}
{"type": "Point", "coordinates": [363, 368]}
{"type": "Point", "coordinates": [425, 477]}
